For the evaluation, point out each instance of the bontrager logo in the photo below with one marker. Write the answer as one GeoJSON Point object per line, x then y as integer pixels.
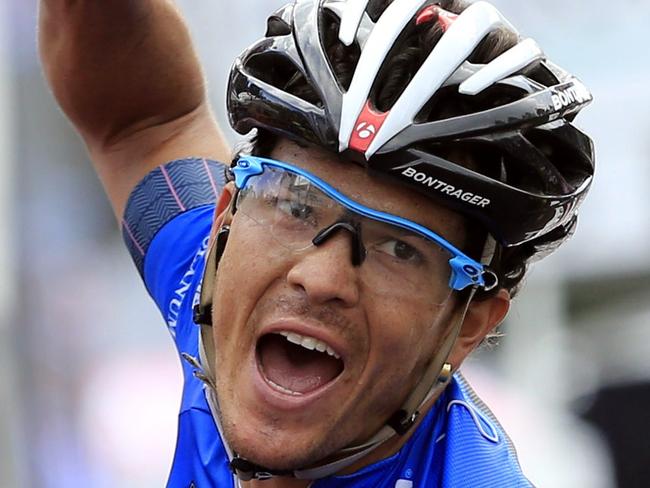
{"type": "Point", "coordinates": [446, 189]}
{"type": "Point", "coordinates": [576, 93]}
{"type": "Point", "coordinates": [365, 130]}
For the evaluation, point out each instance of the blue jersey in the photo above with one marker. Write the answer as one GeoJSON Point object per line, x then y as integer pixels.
{"type": "Point", "coordinates": [166, 226]}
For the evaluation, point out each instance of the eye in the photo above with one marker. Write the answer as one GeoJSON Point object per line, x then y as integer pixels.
{"type": "Point", "coordinates": [400, 250]}
{"type": "Point", "coordinates": [295, 209]}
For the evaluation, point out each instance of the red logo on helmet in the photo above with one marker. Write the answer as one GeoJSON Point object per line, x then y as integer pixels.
{"type": "Point", "coordinates": [366, 128]}
{"type": "Point", "coordinates": [438, 14]}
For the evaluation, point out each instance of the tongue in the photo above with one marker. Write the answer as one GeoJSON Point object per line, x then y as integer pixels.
{"type": "Point", "coordinates": [295, 368]}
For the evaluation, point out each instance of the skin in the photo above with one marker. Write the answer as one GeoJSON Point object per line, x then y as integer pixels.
{"type": "Point", "coordinates": [320, 289]}
{"type": "Point", "coordinates": [140, 110]}
{"type": "Point", "coordinates": [126, 75]}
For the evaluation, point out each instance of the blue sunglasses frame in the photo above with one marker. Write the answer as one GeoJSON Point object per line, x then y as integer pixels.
{"type": "Point", "coordinates": [465, 271]}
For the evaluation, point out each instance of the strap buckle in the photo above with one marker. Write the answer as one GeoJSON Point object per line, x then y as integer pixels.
{"type": "Point", "coordinates": [246, 471]}
{"type": "Point", "coordinates": [202, 315]}
{"type": "Point", "coordinates": [401, 422]}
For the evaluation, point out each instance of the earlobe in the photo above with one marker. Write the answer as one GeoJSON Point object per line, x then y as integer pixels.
{"type": "Point", "coordinates": [222, 213]}
{"type": "Point", "coordinates": [482, 317]}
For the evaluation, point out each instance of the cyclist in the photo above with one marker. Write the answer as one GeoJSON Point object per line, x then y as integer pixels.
{"type": "Point", "coordinates": [409, 159]}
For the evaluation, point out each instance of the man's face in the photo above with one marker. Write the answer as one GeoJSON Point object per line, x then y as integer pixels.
{"type": "Point", "coordinates": [284, 406]}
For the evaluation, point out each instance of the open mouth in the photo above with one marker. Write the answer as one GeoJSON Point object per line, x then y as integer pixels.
{"type": "Point", "coordinates": [296, 364]}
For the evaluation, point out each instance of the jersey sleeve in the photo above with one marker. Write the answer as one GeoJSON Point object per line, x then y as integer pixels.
{"type": "Point", "coordinates": [166, 226]}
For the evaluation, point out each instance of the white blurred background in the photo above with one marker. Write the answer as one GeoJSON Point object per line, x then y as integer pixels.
{"type": "Point", "coordinates": [89, 380]}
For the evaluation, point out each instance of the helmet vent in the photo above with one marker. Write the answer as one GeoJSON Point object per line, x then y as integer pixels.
{"type": "Point", "coordinates": [279, 71]}
{"type": "Point", "coordinates": [376, 7]}
{"type": "Point", "coordinates": [342, 59]}
{"type": "Point", "coordinates": [448, 103]}
{"type": "Point", "coordinates": [275, 26]}
{"type": "Point", "coordinates": [540, 73]}
{"type": "Point", "coordinates": [408, 54]}
{"type": "Point", "coordinates": [573, 166]}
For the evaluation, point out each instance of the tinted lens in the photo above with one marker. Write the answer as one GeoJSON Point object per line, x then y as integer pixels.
{"type": "Point", "coordinates": [292, 210]}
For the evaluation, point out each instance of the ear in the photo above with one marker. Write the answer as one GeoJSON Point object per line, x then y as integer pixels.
{"type": "Point", "coordinates": [481, 318]}
{"type": "Point", "coordinates": [222, 213]}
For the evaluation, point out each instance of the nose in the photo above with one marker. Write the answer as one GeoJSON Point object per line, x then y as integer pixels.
{"type": "Point", "coordinates": [325, 272]}
{"type": "Point", "coordinates": [354, 228]}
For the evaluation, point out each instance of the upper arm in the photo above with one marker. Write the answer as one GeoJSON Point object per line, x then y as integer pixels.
{"type": "Point", "coordinates": [122, 164]}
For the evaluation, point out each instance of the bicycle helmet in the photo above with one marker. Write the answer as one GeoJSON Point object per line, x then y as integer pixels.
{"type": "Point", "coordinates": [546, 163]}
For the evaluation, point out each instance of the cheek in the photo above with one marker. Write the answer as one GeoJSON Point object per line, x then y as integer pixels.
{"type": "Point", "coordinates": [403, 340]}
{"type": "Point", "coordinates": [397, 359]}
{"type": "Point", "coordinates": [405, 335]}
{"type": "Point", "coordinates": [245, 273]}
{"type": "Point", "coordinates": [246, 267]}
{"type": "Point", "coordinates": [414, 322]}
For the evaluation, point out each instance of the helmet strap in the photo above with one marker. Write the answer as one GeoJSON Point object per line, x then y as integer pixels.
{"type": "Point", "coordinates": [202, 312]}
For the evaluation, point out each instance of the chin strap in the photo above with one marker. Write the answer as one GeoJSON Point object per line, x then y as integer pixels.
{"type": "Point", "coordinates": [432, 383]}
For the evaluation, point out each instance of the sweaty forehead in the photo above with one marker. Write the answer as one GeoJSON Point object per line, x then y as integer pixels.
{"type": "Point", "coordinates": [372, 191]}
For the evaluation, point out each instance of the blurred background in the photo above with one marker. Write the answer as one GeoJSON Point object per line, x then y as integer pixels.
{"type": "Point", "coordinates": [89, 380]}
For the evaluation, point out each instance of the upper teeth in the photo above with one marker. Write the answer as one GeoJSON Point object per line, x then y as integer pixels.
{"type": "Point", "coordinates": [309, 343]}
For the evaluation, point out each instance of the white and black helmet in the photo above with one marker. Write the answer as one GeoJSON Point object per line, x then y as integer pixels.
{"type": "Point", "coordinates": [518, 105]}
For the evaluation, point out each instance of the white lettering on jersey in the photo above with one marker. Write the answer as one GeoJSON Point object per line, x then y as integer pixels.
{"type": "Point", "coordinates": [404, 484]}
{"type": "Point", "coordinates": [174, 307]}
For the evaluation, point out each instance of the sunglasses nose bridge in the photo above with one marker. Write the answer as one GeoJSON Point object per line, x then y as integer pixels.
{"type": "Point", "coordinates": [358, 254]}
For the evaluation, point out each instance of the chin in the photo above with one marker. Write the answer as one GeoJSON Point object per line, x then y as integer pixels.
{"type": "Point", "coordinates": [279, 452]}
{"type": "Point", "coordinates": [276, 459]}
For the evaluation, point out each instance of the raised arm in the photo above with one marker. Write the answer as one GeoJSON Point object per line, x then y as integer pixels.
{"type": "Point", "coordinates": [127, 76]}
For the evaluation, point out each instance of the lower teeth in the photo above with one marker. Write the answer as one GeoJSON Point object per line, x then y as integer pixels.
{"type": "Point", "coordinates": [285, 390]}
